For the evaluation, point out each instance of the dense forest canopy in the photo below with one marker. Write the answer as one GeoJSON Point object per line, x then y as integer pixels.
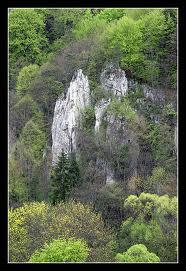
{"type": "Point", "coordinates": [113, 198]}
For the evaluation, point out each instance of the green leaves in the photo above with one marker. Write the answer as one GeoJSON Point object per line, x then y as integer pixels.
{"type": "Point", "coordinates": [64, 177]}
{"type": "Point", "coordinates": [62, 250]}
{"type": "Point", "coordinates": [88, 118]}
{"type": "Point", "coordinates": [122, 109]}
{"type": "Point", "coordinates": [152, 221]}
{"type": "Point", "coordinates": [37, 223]}
{"type": "Point", "coordinates": [34, 140]}
{"type": "Point", "coordinates": [137, 253]}
{"type": "Point", "coordinates": [26, 77]}
{"type": "Point", "coordinates": [26, 35]}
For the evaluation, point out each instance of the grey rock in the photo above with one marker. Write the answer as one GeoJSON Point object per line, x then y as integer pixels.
{"type": "Point", "coordinates": [66, 115]}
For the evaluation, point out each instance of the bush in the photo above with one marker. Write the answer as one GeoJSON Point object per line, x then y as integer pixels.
{"type": "Point", "coordinates": [60, 250]}
{"type": "Point", "coordinates": [88, 118]}
{"type": "Point", "coordinates": [122, 109]}
{"type": "Point", "coordinates": [137, 253]}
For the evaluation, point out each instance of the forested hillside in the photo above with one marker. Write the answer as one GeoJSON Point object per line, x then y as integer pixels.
{"type": "Point", "coordinates": [92, 135]}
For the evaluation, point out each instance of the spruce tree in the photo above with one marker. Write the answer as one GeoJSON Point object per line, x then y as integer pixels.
{"type": "Point", "coordinates": [64, 177]}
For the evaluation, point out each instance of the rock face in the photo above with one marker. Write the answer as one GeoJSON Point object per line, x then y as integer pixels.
{"type": "Point", "coordinates": [99, 111]}
{"type": "Point", "coordinates": [114, 79]}
{"type": "Point", "coordinates": [155, 95]}
{"type": "Point", "coordinates": [66, 115]}
{"type": "Point", "coordinates": [68, 110]}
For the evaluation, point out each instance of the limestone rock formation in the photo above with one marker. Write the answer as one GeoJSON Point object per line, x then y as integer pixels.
{"type": "Point", "coordinates": [66, 115]}
{"type": "Point", "coordinates": [114, 79]}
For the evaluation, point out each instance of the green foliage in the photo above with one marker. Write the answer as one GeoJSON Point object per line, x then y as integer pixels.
{"type": "Point", "coordinates": [151, 205]}
{"type": "Point", "coordinates": [122, 109]}
{"type": "Point", "coordinates": [169, 111]}
{"type": "Point", "coordinates": [25, 228]}
{"type": "Point", "coordinates": [26, 35]}
{"type": "Point", "coordinates": [64, 177]}
{"type": "Point", "coordinates": [152, 222]}
{"type": "Point", "coordinates": [34, 139]}
{"type": "Point", "coordinates": [136, 14]}
{"type": "Point", "coordinates": [126, 36]}
{"type": "Point", "coordinates": [161, 139]}
{"type": "Point", "coordinates": [24, 110]}
{"type": "Point", "coordinates": [89, 25]}
{"type": "Point", "coordinates": [111, 14]}
{"type": "Point", "coordinates": [18, 192]}
{"type": "Point", "coordinates": [158, 178]}
{"type": "Point", "coordinates": [133, 96]}
{"type": "Point", "coordinates": [97, 92]}
{"type": "Point", "coordinates": [154, 29]}
{"type": "Point", "coordinates": [62, 251]}
{"type": "Point", "coordinates": [88, 118]}
{"type": "Point", "coordinates": [35, 224]}
{"type": "Point", "coordinates": [60, 22]}
{"type": "Point", "coordinates": [110, 203]}
{"type": "Point", "coordinates": [137, 253]}
{"type": "Point", "coordinates": [45, 90]}
{"type": "Point", "coordinates": [26, 77]}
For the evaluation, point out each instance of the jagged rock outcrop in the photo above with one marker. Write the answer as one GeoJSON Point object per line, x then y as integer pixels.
{"type": "Point", "coordinates": [114, 79]}
{"type": "Point", "coordinates": [66, 115]}
{"type": "Point", "coordinates": [99, 111]}
{"type": "Point", "coordinates": [68, 110]}
{"type": "Point", "coordinates": [155, 95]}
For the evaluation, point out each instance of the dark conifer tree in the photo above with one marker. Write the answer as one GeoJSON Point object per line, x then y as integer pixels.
{"type": "Point", "coordinates": [64, 177]}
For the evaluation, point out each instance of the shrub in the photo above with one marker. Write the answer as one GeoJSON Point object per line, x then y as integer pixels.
{"type": "Point", "coordinates": [88, 118]}
{"type": "Point", "coordinates": [122, 109]}
{"type": "Point", "coordinates": [60, 250]}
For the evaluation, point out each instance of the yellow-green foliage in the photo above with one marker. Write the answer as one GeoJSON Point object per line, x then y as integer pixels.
{"type": "Point", "coordinates": [26, 77]}
{"type": "Point", "coordinates": [17, 185]}
{"type": "Point", "coordinates": [25, 225]}
{"type": "Point", "coordinates": [122, 109]}
{"type": "Point", "coordinates": [26, 35]}
{"type": "Point", "coordinates": [151, 204]}
{"type": "Point", "coordinates": [62, 250]}
{"type": "Point", "coordinates": [33, 139]}
{"type": "Point", "coordinates": [153, 223]}
{"type": "Point", "coordinates": [38, 223]}
{"type": "Point", "coordinates": [137, 253]}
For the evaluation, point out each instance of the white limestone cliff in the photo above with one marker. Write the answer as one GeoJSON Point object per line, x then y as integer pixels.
{"type": "Point", "coordinates": [66, 114]}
